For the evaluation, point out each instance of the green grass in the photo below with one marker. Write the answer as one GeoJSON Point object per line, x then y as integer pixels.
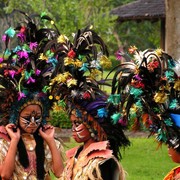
{"type": "Point", "coordinates": [142, 160]}
{"type": "Point", "coordinates": [105, 88]}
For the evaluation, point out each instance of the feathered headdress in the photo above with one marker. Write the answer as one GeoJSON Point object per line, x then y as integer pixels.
{"type": "Point", "coordinates": [148, 87]}
{"type": "Point", "coordinates": [75, 82]}
{"type": "Point", "coordinates": [24, 74]}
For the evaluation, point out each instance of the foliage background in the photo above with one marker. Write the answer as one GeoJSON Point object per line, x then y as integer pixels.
{"type": "Point", "coordinates": [141, 160]}
{"type": "Point", "coordinates": [70, 15]}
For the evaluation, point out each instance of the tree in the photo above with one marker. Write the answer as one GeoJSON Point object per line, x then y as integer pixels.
{"type": "Point", "coordinates": [172, 42]}
{"type": "Point", "coordinates": [70, 15]}
{"type": "Point", "coordinates": [141, 34]}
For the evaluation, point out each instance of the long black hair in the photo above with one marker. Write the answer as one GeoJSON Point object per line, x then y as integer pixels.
{"type": "Point", "coordinates": [40, 155]}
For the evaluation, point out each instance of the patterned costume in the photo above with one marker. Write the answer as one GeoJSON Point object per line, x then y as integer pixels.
{"type": "Point", "coordinates": [28, 173]}
{"type": "Point", "coordinates": [77, 85]}
{"type": "Point", "coordinates": [174, 174]}
{"type": "Point", "coordinates": [95, 161]}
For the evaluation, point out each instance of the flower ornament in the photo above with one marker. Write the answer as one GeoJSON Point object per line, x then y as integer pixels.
{"type": "Point", "coordinates": [173, 104]}
{"type": "Point", "coordinates": [53, 61]}
{"type": "Point", "coordinates": [114, 98]}
{"type": "Point", "coordinates": [132, 49]}
{"type": "Point", "coordinates": [12, 73]}
{"type": "Point", "coordinates": [95, 73]}
{"type": "Point", "coordinates": [21, 36]}
{"type": "Point", "coordinates": [102, 112]}
{"type": "Point", "coordinates": [136, 92]}
{"type": "Point", "coordinates": [105, 62]}
{"type": "Point", "coordinates": [116, 118]}
{"type": "Point", "coordinates": [33, 45]}
{"type": "Point", "coordinates": [84, 67]}
{"type": "Point", "coordinates": [153, 65]}
{"type": "Point", "coordinates": [86, 95]}
{"type": "Point", "coordinates": [71, 82]}
{"type": "Point", "coordinates": [37, 72]}
{"type": "Point", "coordinates": [31, 80]}
{"type": "Point", "coordinates": [4, 38]}
{"type": "Point", "coordinates": [21, 95]}
{"type": "Point", "coordinates": [10, 32]}
{"type": "Point", "coordinates": [118, 54]}
{"type": "Point", "coordinates": [62, 39]}
{"type": "Point", "coordinates": [71, 54]}
{"type": "Point", "coordinates": [1, 60]}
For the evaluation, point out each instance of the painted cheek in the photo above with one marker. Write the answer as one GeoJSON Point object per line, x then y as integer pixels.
{"type": "Point", "coordinates": [80, 133]}
{"type": "Point", "coordinates": [29, 128]}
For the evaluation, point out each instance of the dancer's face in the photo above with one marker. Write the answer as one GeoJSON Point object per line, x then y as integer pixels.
{"type": "Point", "coordinates": [30, 118]}
{"type": "Point", "coordinates": [80, 132]}
{"type": "Point", "coordinates": [175, 156]}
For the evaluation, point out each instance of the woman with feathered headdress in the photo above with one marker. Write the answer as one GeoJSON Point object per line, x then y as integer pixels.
{"type": "Point", "coordinates": [88, 108]}
{"type": "Point", "coordinates": [149, 86]}
{"type": "Point", "coordinates": [28, 148]}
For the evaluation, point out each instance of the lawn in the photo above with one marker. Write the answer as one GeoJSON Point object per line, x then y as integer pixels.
{"type": "Point", "coordinates": [105, 88]}
{"type": "Point", "coordinates": [142, 160]}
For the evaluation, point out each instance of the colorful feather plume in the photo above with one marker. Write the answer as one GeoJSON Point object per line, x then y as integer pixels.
{"type": "Point", "coordinates": [24, 75]}
{"type": "Point", "coordinates": [78, 63]}
{"type": "Point", "coordinates": [150, 94]}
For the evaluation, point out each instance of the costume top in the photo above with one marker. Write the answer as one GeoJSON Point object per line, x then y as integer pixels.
{"type": "Point", "coordinates": [174, 174]}
{"type": "Point", "coordinates": [19, 171]}
{"type": "Point", "coordinates": [94, 163]}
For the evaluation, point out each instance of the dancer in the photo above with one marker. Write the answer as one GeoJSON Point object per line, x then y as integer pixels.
{"type": "Point", "coordinates": [93, 124]}
{"type": "Point", "coordinates": [149, 87]}
{"type": "Point", "coordinates": [28, 148]}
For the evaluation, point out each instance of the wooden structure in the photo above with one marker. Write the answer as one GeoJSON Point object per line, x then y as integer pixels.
{"type": "Point", "coordinates": [141, 10]}
{"type": "Point", "coordinates": [172, 43]}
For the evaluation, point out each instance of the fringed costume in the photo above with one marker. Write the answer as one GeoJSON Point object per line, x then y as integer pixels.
{"type": "Point", "coordinates": [28, 173]}
{"type": "Point", "coordinates": [78, 82]}
{"type": "Point", "coordinates": [97, 162]}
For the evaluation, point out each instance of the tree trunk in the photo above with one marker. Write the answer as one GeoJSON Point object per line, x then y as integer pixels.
{"type": "Point", "coordinates": [172, 42]}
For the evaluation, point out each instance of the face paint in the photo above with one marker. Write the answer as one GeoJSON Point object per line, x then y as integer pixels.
{"type": "Point", "coordinates": [81, 131]}
{"type": "Point", "coordinates": [30, 118]}
{"type": "Point", "coordinates": [174, 154]}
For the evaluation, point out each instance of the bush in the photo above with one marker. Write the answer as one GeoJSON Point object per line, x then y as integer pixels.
{"type": "Point", "coordinates": [60, 119]}
{"type": "Point", "coordinates": [114, 62]}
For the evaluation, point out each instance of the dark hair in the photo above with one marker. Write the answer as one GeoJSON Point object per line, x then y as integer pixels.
{"type": "Point", "coordinates": [114, 132]}
{"type": "Point", "coordinates": [40, 155]}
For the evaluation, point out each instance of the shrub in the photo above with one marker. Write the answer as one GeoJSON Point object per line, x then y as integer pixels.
{"type": "Point", "coordinates": [60, 119]}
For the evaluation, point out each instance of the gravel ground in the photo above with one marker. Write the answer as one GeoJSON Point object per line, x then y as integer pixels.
{"type": "Point", "coordinates": [65, 134]}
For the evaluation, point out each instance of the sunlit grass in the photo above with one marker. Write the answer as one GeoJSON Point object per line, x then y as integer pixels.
{"type": "Point", "coordinates": [105, 88]}
{"type": "Point", "coordinates": [142, 160]}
